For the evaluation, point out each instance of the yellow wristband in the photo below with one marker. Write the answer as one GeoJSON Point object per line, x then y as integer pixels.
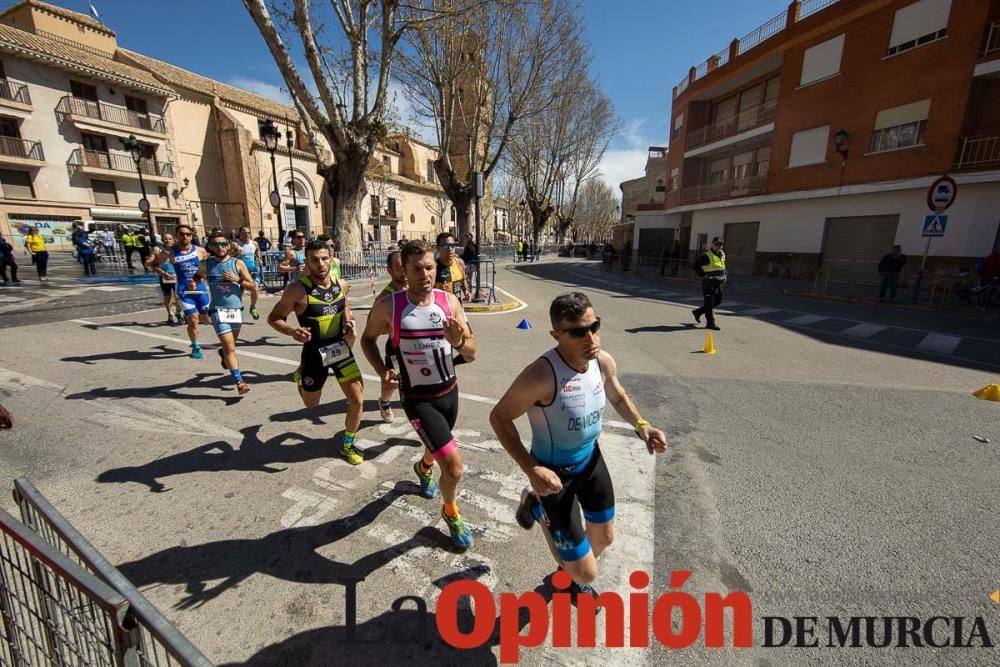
{"type": "Point", "coordinates": [639, 424]}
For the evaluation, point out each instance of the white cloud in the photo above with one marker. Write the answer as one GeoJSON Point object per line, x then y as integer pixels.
{"type": "Point", "coordinates": [262, 88]}
{"type": "Point", "coordinates": [627, 160]}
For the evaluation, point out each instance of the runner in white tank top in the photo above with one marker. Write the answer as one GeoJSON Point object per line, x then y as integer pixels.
{"type": "Point", "coordinates": [424, 326]}
{"type": "Point", "coordinates": [244, 248]}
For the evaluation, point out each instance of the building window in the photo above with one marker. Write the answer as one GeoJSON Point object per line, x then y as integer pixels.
{"type": "Point", "coordinates": [104, 192]}
{"type": "Point", "coordinates": [433, 221]}
{"type": "Point", "coordinates": [763, 161]}
{"type": "Point", "coordinates": [919, 23]}
{"type": "Point", "coordinates": [135, 104]}
{"type": "Point", "coordinates": [430, 171]}
{"type": "Point", "coordinates": [375, 210]}
{"type": "Point", "coordinates": [16, 184]}
{"type": "Point", "coordinates": [387, 161]}
{"type": "Point", "coordinates": [674, 178]}
{"type": "Point", "coordinates": [390, 206]}
{"type": "Point", "coordinates": [900, 127]}
{"type": "Point", "coordinates": [718, 171]}
{"type": "Point", "coordinates": [260, 129]}
{"type": "Point", "coordinates": [678, 125]}
{"type": "Point", "coordinates": [413, 219]}
{"type": "Point", "coordinates": [809, 146]}
{"type": "Point", "coordinates": [83, 91]}
{"type": "Point", "coordinates": [659, 185]}
{"type": "Point", "coordinates": [453, 214]}
{"type": "Point", "coordinates": [822, 61]}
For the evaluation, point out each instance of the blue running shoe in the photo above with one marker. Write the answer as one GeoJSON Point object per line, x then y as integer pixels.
{"type": "Point", "coordinates": [428, 487]}
{"type": "Point", "coordinates": [461, 536]}
{"type": "Point", "coordinates": [196, 353]}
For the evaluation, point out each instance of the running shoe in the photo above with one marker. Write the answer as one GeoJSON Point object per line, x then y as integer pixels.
{"type": "Point", "coordinates": [385, 409]}
{"type": "Point", "coordinates": [352, 454]}
{"type": "Point", "coordinates": [196, 353]}
{"type": "Point", "coordinates": [297, 376]}
{"type": "Point", "coordinates": [461, 536]}
{"type": "Point", "coordinates": [243, 388]}
{"type": "Point", "coordinates": [577, 590]}
{"type": "Point", "coordinates": [15, 283]}
{"type": "Point", "coordinates": [170, 320]}
{"type": "Point", "coordinates": [428, 487]}
{"type": "Point", "coordinates": [525, 519]}
{"type": "Point", "coordinates": [697, 315]}
{"type": "Point", "coordinates": [254, 313]}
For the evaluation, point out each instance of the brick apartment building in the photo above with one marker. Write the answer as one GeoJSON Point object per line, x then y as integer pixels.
{"type": "Point", "coordinates": [911, 89]}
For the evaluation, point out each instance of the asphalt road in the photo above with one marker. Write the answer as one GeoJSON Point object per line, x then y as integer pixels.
{"type": "Point", "coordinates": [823, 462]}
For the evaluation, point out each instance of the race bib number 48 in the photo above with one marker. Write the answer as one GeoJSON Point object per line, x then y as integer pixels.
{"type": "Point", "coordinates": [334, 353]}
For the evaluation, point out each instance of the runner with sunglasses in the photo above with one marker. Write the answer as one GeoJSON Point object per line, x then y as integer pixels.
{"type": "Point", "coordinates": [227, 278]}
{"type": "Point", "coordinates": [189, 265]}
{"type": "Point", "coordinates": [424, 326]}
{"type": "Point", "coordinates": [326, 331]}
{"type": "Point", "coordinates": [450, 275]}
{"type": "Point", "coordinates": [564, 393]}
{"type": "Point", "coordinates": [294, 261]}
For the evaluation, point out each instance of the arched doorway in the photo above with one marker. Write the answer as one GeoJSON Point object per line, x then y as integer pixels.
{"type": "Point", "coordinates": [295, 200]}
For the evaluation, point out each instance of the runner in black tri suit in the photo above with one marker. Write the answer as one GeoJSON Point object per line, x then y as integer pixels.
{"type": "Point", "coordinates": [397, 282]}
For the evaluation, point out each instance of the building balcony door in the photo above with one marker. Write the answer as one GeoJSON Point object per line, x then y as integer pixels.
{"type": "Point", "coordinates": [297, 217]}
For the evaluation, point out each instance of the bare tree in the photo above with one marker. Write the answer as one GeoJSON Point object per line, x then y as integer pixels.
{"type": "Point", "coordinates": [480, 72]}
{"type": "Point", "coordinates": [349, 66]}
{"type": "Point", "coordinates": [596, 212]}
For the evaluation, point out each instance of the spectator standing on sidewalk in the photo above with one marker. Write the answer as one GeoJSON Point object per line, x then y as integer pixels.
{"type": "Point", "coordinates": [34, 243]}
{"type": "Point", "coordinates": [626, 255]}
{"type": "Point", "coordinates": [7, 259]}
{"type": "Point", "coordinates": [142, 247]}
{"type": "Point", "coordinates": [263, 242]}
{"type": "Point", "coordinates": [85, 251]}
{"type": "Point", "coordinates": [889, 267]}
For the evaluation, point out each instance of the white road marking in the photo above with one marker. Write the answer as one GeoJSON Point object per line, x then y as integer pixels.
{"type": "Point", "coordinates": [109, 288]}
{"type": "Point", "coordinates": [310, 508]}
{"type": "Point", "coordinates": [939, 343]}
{"type": "Point", "coordinates": [803, 320]}
{"type": "Point", "coordinates": [864, 330]}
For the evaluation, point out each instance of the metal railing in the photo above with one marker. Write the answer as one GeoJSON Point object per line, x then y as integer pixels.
{"type": "Point", "coordinates": [747, 119]}
{"type": "Point", "coordinates": [355, 266]}
{"type": "Point", "coordinates": [14, 91]}
{"type": "Point", "coordinates": [992, 39]}
{"type": "Point", "coordinates": [81, 157]}
{"type": "Point", "coordinates": [110, 113]}
{"type": "Point", "coordinates": [738, 187]}
{"type": "Point", "coordinates": [21, 148]}
{"type": "Point", "coordinates": [754, 38]}
{"type": "Point", "coordinates": [149, 638]}
{"type": "Point", "coordinates": [979, 151]}
{"type": "Point", "coordinates": [487, 281]}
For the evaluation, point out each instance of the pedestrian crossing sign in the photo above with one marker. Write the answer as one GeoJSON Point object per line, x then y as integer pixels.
{"type": "Point", "coordinates": [934, 225]}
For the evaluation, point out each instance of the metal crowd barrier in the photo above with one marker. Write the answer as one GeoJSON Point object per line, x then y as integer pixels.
{"type": "Point", "coordinates": [139, 634]}
{"type": "Point", "coordinates": [488, 279]}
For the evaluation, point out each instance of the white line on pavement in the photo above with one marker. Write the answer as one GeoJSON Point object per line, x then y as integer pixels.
{"type": "Point", "coordinates": [940, 343]}
{"type": "Point", "coordinates": [803, 320]}
{"type": "Point", "coordinates": [864, 330]}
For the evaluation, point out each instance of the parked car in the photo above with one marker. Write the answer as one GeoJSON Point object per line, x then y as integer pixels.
{"type": "Point", "coordinates": [566, 250]}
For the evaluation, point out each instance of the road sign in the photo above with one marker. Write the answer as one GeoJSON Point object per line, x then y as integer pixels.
{"type": "Point", "coordinates": [275, 199]}
{"type": "Point", "coordinates": [942, 194]}
{"type": "Point", "coordinates": [144, 205]}
{"type": "Point", "coordinates": [934, 225]}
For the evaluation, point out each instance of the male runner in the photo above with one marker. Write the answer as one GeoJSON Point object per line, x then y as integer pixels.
{"type": "Point", "coordinates": [293, 263]}
{"type": "Point", "coordinates": [326, 330]}
{"type": "Point", "coordinates": [425, 325]}
{"type": "Point", "coordinates": [397, 282]}
{"type": "Point", "coordinates": [168, 277]}
{"type": "Point", "coordinates": [244, 248]}
{"type": "Point", "coordinates": [227, 278]}
{"type": "Point", "coordinates": [564, 392]}
{"type": "Point", "coordinates": [450, 270]}
{"type": "Point", "coordinates": [189, 265]}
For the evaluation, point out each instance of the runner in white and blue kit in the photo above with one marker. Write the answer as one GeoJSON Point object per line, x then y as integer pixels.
{"type": "Point", "coordinates": [245, 248]}
{"type": "Point", "coordinates": [227, 278]}
{"type": "Point", "coordinates": [564, 393]}
{"type": "Point", "coordinates": [189, 265]}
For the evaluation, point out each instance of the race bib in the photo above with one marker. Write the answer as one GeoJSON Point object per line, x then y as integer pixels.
{"type": "Point", "coordinates": [334, 353]}
{"type": "Point", "coordinates": [230, 315]}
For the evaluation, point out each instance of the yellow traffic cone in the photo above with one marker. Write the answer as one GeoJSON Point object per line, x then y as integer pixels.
{"type": "Point", "coordinates": [709, 344]}
{"type": "Point", "coordinates": [990, 392]}
{"type": "Point", "coordinates": [996, 596]}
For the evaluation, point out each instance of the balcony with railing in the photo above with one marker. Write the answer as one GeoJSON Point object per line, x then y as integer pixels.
{"type": "Point", "coordinates": [992, 46]}
{"type": "Point", "coordinates": [12, 91]}
{"type": "Point", "coordinates": [25, 152]}
{"type": "Point", "coordinates": [737, 187]}
{"type": "Point", "coordinates": [978, 152]}
{"type": "Point", "coordinates": [748, 119]}
{"type": "Point", "coordinates": [119, 165]}
{"type": "Point", "coordinates": [797, 11]}
{"type": "Point", "coordinates": [79, 110]}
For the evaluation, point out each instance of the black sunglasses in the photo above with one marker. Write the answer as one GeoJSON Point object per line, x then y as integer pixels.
{"type": "Point", "coordinates": [580, 332]}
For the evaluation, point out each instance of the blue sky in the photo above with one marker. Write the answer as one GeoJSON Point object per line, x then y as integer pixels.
{"type": "Point", "coordinates": [641, 49]}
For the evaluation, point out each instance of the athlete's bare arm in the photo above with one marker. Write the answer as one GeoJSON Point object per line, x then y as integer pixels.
{"type": "Point", "coordinates": [350, 325]}
{"type": "Point", "coordinates": [287, 304]}
{"type": "Point", "coordinates": [288, 263]}
{"type": "Point", "coordinates": [378, 324]}
{"type": "Point", "coordinates": [654, 438]}
{"type": "Point", "coordinates": [242, 275]}
{"type": "Point", "coordinates": [534, 386]}
{"type": "Point", "coordinates": [457, 330]}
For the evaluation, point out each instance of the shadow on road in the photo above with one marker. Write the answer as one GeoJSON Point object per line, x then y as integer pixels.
{"type": "Point", "coordinates": [662, 328]}
{"type": "Point", "coordinates": [215, 381]}
{"type": "Point", "coordinates": [158, 352]}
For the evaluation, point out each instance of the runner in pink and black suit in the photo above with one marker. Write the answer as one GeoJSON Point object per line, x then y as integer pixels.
{"type": "Point", "coordinates": [425, 325]}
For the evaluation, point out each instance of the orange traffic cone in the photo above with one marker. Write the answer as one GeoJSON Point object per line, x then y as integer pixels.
{"type": "Point", "coordinates": [990, 392]}
{"type": "Point", "coordinates": [996, 596]}
{"type": "Point", "coordinates": [709, 344]}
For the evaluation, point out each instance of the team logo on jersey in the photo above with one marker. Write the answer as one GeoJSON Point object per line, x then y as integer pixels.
{"type": "Point", "coordinates": [435, 317]}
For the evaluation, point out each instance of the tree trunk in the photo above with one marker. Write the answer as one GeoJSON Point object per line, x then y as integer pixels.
{"type": "Point", "coordinates": [465, 215]}
{"type": "Point", "coordinates": [349, 192]}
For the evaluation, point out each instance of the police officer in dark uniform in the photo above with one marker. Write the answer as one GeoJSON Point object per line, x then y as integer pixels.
{"type": "Point", "coordinates": [712, 268]}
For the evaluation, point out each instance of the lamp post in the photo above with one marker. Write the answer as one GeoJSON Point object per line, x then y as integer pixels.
{"type": "Point", "coordinates": [290, 141]}
{"type": "Point", "coordinates": [133, 146]}
{"type": "Point", "coordinates": [271, 136]}
{"type": "Point", "coordinates": [478, 190]}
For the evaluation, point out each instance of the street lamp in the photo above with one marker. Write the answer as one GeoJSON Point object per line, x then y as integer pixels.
{"type": "Point", "coordinates": [290, 140]}
{"type": "Point", "coordinates": [839, 139]}
{"type": "Point", "coordinates": [270, 134]}
{"type": "Point", "coordinates": [133, 146]}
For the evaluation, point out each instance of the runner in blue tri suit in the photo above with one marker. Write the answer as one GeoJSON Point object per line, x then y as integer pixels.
{"type": "Point", "coordinates": [564, 393]}
{"type": "Point", "coordinates": [189, 265]}
{"type": "Point", "coordinates": [245, 248]}
{"type": "Point", "coordinates": [227, 278]}
{"type": "Point", "coordinates": [294, 261]}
